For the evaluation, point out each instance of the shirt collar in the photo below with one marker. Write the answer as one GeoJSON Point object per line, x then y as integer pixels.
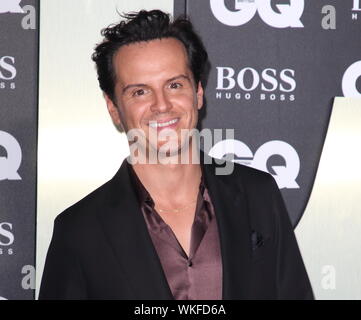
{"type": "Point", "coordinates": [142, 193]}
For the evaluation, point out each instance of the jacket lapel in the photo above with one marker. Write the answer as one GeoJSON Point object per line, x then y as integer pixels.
{"type": "Point", "coordinates": [230, 207]}
{"type": "Point", "coordinates": [124, 226]}
{"type": "Point", "coordinates": [127, 233]}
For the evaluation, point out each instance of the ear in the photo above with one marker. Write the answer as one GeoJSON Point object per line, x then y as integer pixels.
{"type": "Point", "coordinates": [200, 94]}
{"type": "Point", "coordinates": [113, 111]}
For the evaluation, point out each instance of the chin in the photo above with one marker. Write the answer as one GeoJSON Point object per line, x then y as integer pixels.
{"type": "Point", "coordinates": [168, 154]}
{"type": "Point", "coordinates": [169, 148]}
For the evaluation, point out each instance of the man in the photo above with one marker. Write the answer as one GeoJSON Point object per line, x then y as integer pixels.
{"type": "Point", "coordinates": [170, 230]}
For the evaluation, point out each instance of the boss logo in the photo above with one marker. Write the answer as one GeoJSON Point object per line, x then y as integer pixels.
{"type": "Point", "coordinates": [270, 81]}
{"type": "Point", "coordinates": [7, 68]}
{"type": "Point", "coordinates": [7, 72]}
{"type": "Point", "coordinates": [10, 164]}
{"type": "Point", "coordinates": [289, 15]}
{"type": "Point", "coordinates": [349, 80]}
{"type": "Point", "coordinates": [285, 176]}
{"type": "Point", "coordinates": [6, 236]}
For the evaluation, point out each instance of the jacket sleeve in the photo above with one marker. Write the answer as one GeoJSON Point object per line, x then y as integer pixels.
{"type": "Point", "coordinates": [62, 278]}
{"type": "Point", "coordinates": [291, 278]}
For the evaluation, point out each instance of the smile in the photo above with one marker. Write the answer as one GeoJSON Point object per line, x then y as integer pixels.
{"type": "Point", "coordinates": [154, 124]}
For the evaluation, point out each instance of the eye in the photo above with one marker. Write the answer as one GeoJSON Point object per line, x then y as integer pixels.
{"type": "Point", "coordinates": [175, 85]}
{"type": "Point", "coordinates": [138, 92]}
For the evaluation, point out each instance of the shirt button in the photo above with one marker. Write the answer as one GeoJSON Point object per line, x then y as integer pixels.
{"type": "Point", "coordinates": [190, 263]}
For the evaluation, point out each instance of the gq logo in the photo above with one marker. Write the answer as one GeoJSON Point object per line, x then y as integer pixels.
{"type": "Point", "coordinates": [285, 175]}
{"type": "Point", "coordinates": [28, 21]}
{"type": "Point", "coordinates": [356, 5]}
{"type": "Point", "coordinates": [10, 164]}
{"type": "Point", "coordinates": [289, 15]}
{"type": "Point", "coordinates": [12, 6]}
{"type": "Point", "coordinates": [349, 80]}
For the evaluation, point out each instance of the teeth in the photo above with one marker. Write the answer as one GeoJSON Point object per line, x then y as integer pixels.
{"type": "Point", "coordinates": [163, 124]}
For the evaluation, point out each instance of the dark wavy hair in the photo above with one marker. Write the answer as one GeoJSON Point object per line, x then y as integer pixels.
{"type": "Point", "coordinates": [146, 26]}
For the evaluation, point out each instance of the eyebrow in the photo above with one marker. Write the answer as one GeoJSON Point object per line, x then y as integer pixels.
{"type": "Point", "coordinates": [181, 76]}
{"type": "Point", "coordinates": [126, 88]}
{"type": "Point", "coordinates": [137, 85]}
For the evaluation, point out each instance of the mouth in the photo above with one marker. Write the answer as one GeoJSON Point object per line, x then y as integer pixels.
{"type": "Point", "coordinates": [164, 124]}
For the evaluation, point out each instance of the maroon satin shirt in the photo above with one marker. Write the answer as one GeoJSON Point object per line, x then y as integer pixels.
{"type": "Point", "coordinates": [199, 275]}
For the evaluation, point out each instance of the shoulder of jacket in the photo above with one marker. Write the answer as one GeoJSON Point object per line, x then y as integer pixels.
{"type": "Point", "coordinates": [247, 177]}
{"type": "Point", "coordinates": [83, 211]}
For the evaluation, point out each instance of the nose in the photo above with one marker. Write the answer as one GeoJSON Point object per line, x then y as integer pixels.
{"type": "Point", "coordinates": [161, 102]}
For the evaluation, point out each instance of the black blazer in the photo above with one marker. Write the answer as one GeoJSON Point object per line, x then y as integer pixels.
{"type": "Point", "coordinates": [101, 248]}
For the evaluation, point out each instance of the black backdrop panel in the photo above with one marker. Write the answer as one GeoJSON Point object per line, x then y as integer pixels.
{"type": "Point", "coordinates": [18, 133]}
{"type": "Point", "coordinates": [275, 68]}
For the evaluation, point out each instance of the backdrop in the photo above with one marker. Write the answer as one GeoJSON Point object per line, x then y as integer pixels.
{"type": "Point", "coordinates": [276, 68]}
{"type": "Point", "coordinates": [18, 132]}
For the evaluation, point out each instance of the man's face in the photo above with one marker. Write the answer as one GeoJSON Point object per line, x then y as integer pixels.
{"type": "Point", "coordinates": [155, 90]}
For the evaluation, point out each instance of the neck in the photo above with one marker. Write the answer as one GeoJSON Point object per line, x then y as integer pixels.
{"type": "Point", "coordinates": [170, 182]}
